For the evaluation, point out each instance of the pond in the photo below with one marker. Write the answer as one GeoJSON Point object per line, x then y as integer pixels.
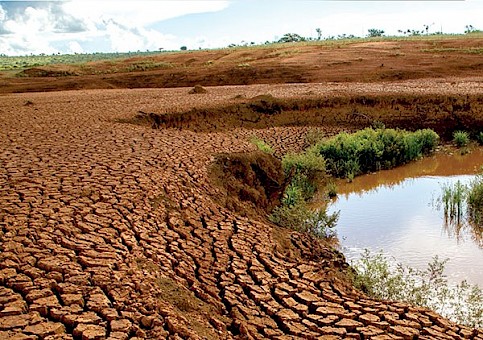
{"type": "Point", "coordinates": [394, 211]}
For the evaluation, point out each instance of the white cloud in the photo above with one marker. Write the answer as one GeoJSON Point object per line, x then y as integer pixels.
{"type": "Point", "coordinates": [139, 13]}
{"type": "Point", "coordinates": [75, 47]}
{"type": "Point", "coordinates": [32, 27]}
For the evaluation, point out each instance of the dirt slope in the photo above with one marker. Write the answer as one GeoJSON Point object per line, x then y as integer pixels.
{"type": "Point", "coordinates": [115, 230]}
{"type": "Point", "coordinates": [337, 61]}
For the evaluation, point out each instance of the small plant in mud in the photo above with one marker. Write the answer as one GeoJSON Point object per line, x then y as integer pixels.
{"type": "Point", "coordinates": [377, 124]}
{"type": "Point", "coordinates": [479, 138]}
{"type": "Point", "coordinates": [331, 189]}
{"type": "Point", "coordinates": [261, 145]}
{"type": "Point", "coordinates": [463, 207]}
{"type": "Point", "coordinates": [379, 278]}
{"type": "Point", "coordinates": [461, 138]}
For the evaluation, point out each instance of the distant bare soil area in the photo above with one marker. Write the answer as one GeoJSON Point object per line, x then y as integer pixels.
{"type": "Point", "coordinates": [129, 210]}
{"type": "Point", "coordinates": [327, 61]}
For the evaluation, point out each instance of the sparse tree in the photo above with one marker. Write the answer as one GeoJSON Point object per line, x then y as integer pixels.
{"type": "Point", "coordinates": [471, 29]}
{"type": "Point", "coordinates": [183, 48]}
{"type": "Point", "coordinates": [291, 37]}
{"type": "Point", "coordinates": [374, 32]}
{"type": "Point", "coordinates": [319, 33]}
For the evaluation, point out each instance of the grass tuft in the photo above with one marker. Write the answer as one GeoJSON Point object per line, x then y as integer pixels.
{"type": "Point", "coordinates": [475, 202]}
{"type": "Point", "coordinates": [461, 138]}
{"type": "Point", "coordinates": [261, 145]}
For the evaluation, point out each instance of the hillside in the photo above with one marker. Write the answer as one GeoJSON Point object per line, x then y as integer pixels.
{"type": "Point", "coordinates": [363, 60]}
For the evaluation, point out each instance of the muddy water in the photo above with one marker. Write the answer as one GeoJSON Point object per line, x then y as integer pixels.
{"type": "Point", "coordinates": [393, 211]}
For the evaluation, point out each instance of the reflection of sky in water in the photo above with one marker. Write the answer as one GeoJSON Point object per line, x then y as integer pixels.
{"type": "Point", "coordinates": [402, 221]}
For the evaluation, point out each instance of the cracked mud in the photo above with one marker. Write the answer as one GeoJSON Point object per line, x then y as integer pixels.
{"type": "Point", "coordinates": [111, 230]}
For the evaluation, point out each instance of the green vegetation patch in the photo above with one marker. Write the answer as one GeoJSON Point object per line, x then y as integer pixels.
{"type": "Point", "coordinates": [382, 279]}
{"type": "Point", "coordinates": [348, 155]}
{"type": "Point", "coordinates": [23, 62]}
{"type": "Point", "coordinates": [461, 138]}
{"type": "Point", "coordinates": [475, 202]}
{"type": "Point", "coordinates": [261, 145]}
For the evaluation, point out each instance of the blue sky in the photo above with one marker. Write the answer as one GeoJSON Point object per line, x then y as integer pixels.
{"type": "Point", "coordinates": [118, 26]}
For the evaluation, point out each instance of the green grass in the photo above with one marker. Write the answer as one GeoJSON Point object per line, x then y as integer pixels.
{"type": "Point", "coordinates": [463, 207]}
{"type": "Point", "coordinates": [261, 145]}
{"type": "Point", "coordinates": [453, 200]}
{"type": "Point", "coordinates": [475, 202]}
{"type": "Point", "coordinates": [377, 277]}
{"type": "Point", "coordinates": [461, 138]}
{"type": "Point", "coordinates": [348, 155]}
{"type": "Point", "coordinates": [23, 62]}
{"type": "Point", "coordinates": [467, 50]}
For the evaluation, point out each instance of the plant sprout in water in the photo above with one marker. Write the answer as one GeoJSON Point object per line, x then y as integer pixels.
{"type": "Point", "coordinates": [463, 209]}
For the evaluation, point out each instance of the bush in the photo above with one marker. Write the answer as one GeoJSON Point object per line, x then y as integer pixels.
{"type": "Point", "coordinates": [479, 138]}
{"type": "Point", "coordinates": [304, 170]}
{"type": "Point", "coordinates": [298, 217]}
{"type": "Point", "coordinates": [331, 189]}
{"type": "Point", "coordinates": [461, 138]}
{"type": "Point", "coordinates": [348, 155]}
{"type": "Point", "coordinates": [290, 216]}
{"type": "Point", "coordinates": [314, 136]}
{"type": "Point", "coordinates": [378, 278]}
{"type": "Point", "coordinates": [309, 163]}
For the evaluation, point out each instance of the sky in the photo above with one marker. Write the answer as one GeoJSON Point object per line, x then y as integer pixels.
{"type": "Point", "coordinates": [87, 26]}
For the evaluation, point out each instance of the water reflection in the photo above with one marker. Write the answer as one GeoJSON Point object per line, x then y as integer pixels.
{"type": "Point", "coordinates": [392, 210]}
{"type": "Point", "coordinates": [440, 164]}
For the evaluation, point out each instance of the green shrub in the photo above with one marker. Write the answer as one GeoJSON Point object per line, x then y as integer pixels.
{"type": "Point", "coordinates": [314, 136]}
{"type": "Point", "coordinates": [298, 217]}
{"type": "Point", "coordinates": [331, 189]}
{"type": "Point", "coordinates": [348, 155]}
{"type": "Point", "coordinates": [291, 216]}
{"type": "Point", "coordinates": [304, 170]}
{"type": "Point", "coordinates": [321, 224]}
{"type": "Point", "coordinates": [309, 163]}
{"type": "Point", "coordinates": [427, 288]}
{"type": "Point", "coordinates": [479, 138]}
{"type": "Point", "coordinates": [261, 145]}
{"type": "Point", "coordinates": [461, 138]}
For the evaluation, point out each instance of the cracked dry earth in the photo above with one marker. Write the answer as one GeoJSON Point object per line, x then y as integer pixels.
{"type": "Point", "coordinates": [111, 231]}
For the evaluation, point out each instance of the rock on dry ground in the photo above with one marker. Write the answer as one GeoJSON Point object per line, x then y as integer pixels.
{"type": "Point", "coordinates": [108, 230]}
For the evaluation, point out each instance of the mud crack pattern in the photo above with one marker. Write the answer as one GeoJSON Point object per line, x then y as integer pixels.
{"type": "Point", "coordinates": [109, 231]}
